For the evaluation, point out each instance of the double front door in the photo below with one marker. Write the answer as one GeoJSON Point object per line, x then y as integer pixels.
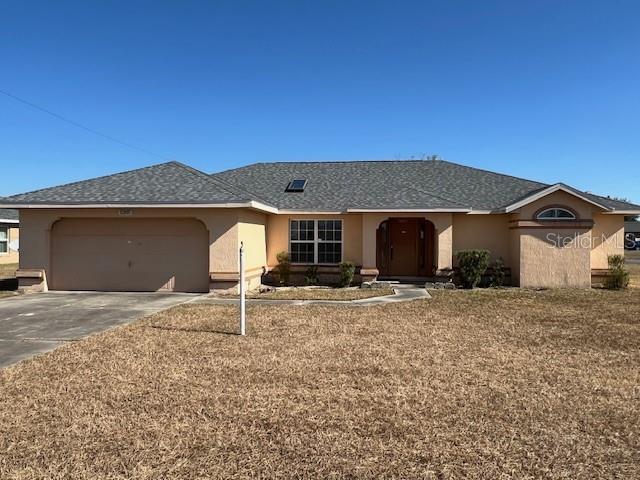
{"type": "Point", "coordinates": [405, 247]}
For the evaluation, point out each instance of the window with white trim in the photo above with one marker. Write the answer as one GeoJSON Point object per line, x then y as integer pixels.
{"type": "Point", "coordinates": [556, 214]}
{"type": "Point", "coordinates": [315, 241]}
{"type": "Point", "coordinates": [4, 240]}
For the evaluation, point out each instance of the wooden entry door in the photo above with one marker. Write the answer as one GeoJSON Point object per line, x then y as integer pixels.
{"type": "Point", "coordinates": [405, 247]}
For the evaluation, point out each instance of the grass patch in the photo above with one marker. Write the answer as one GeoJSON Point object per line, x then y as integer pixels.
{"type": "Point", "coordinates": [634, 270]}
{"type": "Point", "coordinates": [343, 294]}
{"type": "Point", "coordinates": [8, 270]}
{"type": "Point", "coordinates": [483, 384]}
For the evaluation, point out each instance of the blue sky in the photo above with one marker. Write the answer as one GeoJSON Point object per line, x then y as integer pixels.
{"type": "Point", "coordinates": [545, 90]}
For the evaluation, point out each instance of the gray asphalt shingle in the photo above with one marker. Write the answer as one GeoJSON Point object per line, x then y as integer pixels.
{"type": "Point", "coordinates": [388, 184]}
{"type": "Point", "coordinates": [331, 186]}
{"type": "Point", "coordinates": [8, 214]}
{"type": "Point", "coordinates": [166, 183]}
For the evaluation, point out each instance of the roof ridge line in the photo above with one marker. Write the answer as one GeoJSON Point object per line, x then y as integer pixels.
{"type": "Point", "coordinates": [200, 173]}
{"type": "Point", "coordinates": [226, 185]}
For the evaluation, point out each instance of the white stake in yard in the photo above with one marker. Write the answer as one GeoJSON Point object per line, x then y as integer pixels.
{"type": "Point", "coordinates": [242, 299]}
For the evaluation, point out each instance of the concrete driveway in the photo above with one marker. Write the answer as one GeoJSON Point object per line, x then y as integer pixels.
{"type": "Point", "coordinates": [33, 324]}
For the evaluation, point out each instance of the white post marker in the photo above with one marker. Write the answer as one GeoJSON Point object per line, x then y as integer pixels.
{"type": "Point", "coordinates": [242, 300]}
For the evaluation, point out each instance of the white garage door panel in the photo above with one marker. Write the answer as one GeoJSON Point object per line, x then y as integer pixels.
{"type": "Point", "coordinates": [130, 255]}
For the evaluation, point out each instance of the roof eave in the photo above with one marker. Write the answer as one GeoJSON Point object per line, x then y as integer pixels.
{"type": "Point", "coordinates": [50, 205]}
{"type": "Point", "coordinates": [547, 191]}
{"type": "Point", "coordinates": [409, 210]}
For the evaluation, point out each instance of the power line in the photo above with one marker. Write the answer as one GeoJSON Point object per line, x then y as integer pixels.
{"type": "Point", "coordinates": [83, 127]}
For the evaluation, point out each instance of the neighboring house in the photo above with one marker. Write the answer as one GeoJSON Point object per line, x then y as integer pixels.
{"type": "Point", "coordinates": [9, 236]}
{"type": "Point", "coordinates": [171, 227]}
{"type": "Point", "coordinates": [632, 227]}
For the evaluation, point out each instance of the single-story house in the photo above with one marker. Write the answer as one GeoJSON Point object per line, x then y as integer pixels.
{"type": "Point", "coordinates": [171, 227]}
{"type": "Point", "coordinates": [9, 236]}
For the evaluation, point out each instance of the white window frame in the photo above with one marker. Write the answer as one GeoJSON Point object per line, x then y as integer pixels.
{"type": "Point", "coordinates": [316, 240]}
{"type": "Point", "coordinates": [555, 219]}
{"type": "Point", "coordinates": [5, 241]}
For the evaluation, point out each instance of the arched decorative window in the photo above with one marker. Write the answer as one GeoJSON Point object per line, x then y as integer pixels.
{"type": "Point", "coordinates": [556, 213]}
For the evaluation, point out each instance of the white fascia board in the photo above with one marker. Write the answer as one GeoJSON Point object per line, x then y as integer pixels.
{"type": "Point", "coordinates": [6, 220]}
{"type": "Point", "coordinates": [409, 210]}
{"type": "Point", "coordinates": [310, 212]}
{"type": "Point", "coordinates": [548, 191]}
{"type": "Point", "coordinates": [252, 204]}
{"type": "Point", "coordinates": [623, 212]}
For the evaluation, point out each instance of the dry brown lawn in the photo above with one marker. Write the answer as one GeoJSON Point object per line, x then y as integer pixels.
{"type": "Point", "coordinates": [341, 294]}
{"type": "Point", "coordinates": [485, 384]}
{"type": "Point", "coordinates": [8, 270]}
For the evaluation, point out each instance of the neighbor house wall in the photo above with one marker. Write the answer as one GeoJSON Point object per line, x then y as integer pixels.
{"type": "Point", "coordinates": [486, 232]}
{"type": "Point", "coordinates": [222, 226]}
{"type": "Point", "coordinates": [278, 235]}
{"type": "Point", "coordinates": [12, 255]}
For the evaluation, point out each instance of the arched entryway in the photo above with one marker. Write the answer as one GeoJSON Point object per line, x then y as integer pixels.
{"type": "Point", "coordinates": [405, 248]}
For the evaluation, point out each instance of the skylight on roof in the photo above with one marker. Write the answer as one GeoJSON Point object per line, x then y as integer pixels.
{"type": "Point", "coordinates": [296, 185]}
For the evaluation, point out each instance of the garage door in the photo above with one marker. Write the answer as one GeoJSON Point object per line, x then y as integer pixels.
{"type": "Point", "coordinates": [137, 255]}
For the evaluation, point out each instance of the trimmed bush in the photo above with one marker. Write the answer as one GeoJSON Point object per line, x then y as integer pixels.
{"type": "Point", "coordinates": [284, 268]}
{"type": "Point", "coordinates": [472, 264]}
{"type": "Point", "coordinates": [498, 273]}
{"type": "Point", "coordinates": [347, 272]}
{"type": "Point", "coordinates": [311, 276]}
{"type": "Point", "coordinates": [618, 278]}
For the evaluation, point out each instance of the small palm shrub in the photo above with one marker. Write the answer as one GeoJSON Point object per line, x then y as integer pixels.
{"type": "Point", "coordinates": [347, 272]}
{"type": "Point", "coordinates": [472, 264]}
{"type": "Point", "coordinates": [311, 275]}
{"type": "Point", "coordinates": [618, 277]}
{"type": "Point", "coordinates": [284, 268]}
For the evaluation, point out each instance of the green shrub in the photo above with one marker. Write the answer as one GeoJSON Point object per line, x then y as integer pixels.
{"type": "Point", "coordinates": [618, 277]}
{"type": "Point", "coordinates": [472, 264]}
{"type": "Point", "coordinates": [347, 272]}
{"type": "Point", "coordinates": [311, 275]}
{"type": "Point", "coordinates": [498, 273]}
{"type": "Point", "coordinates": [284, 268]}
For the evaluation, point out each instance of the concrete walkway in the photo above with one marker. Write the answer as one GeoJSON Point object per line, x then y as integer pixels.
{"type": "Point", "coordinates": [403, 293]}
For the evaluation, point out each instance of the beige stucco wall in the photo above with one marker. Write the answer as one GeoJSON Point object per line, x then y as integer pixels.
{"type": "Point", "coordinates": [443, 223]}
{"type": "Point", "coordinates": [514, 254]}
{"type": "Point", "coordinates": [12, 255]}
{"type": "Point", "coordinates": [222, 225]}
{"type": "Point", "coordinates": [554, 255]}
{"type": "Point", "coordinates": [252, 233]}
{"type": "Point", "coordinates": [278, 235]}
{"type": "Point", "coordinates": [487, 232]}
{"type": "Point", "coordinates": [607, 238]}
{"type": "Point", "coordinates": [555, 259]}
